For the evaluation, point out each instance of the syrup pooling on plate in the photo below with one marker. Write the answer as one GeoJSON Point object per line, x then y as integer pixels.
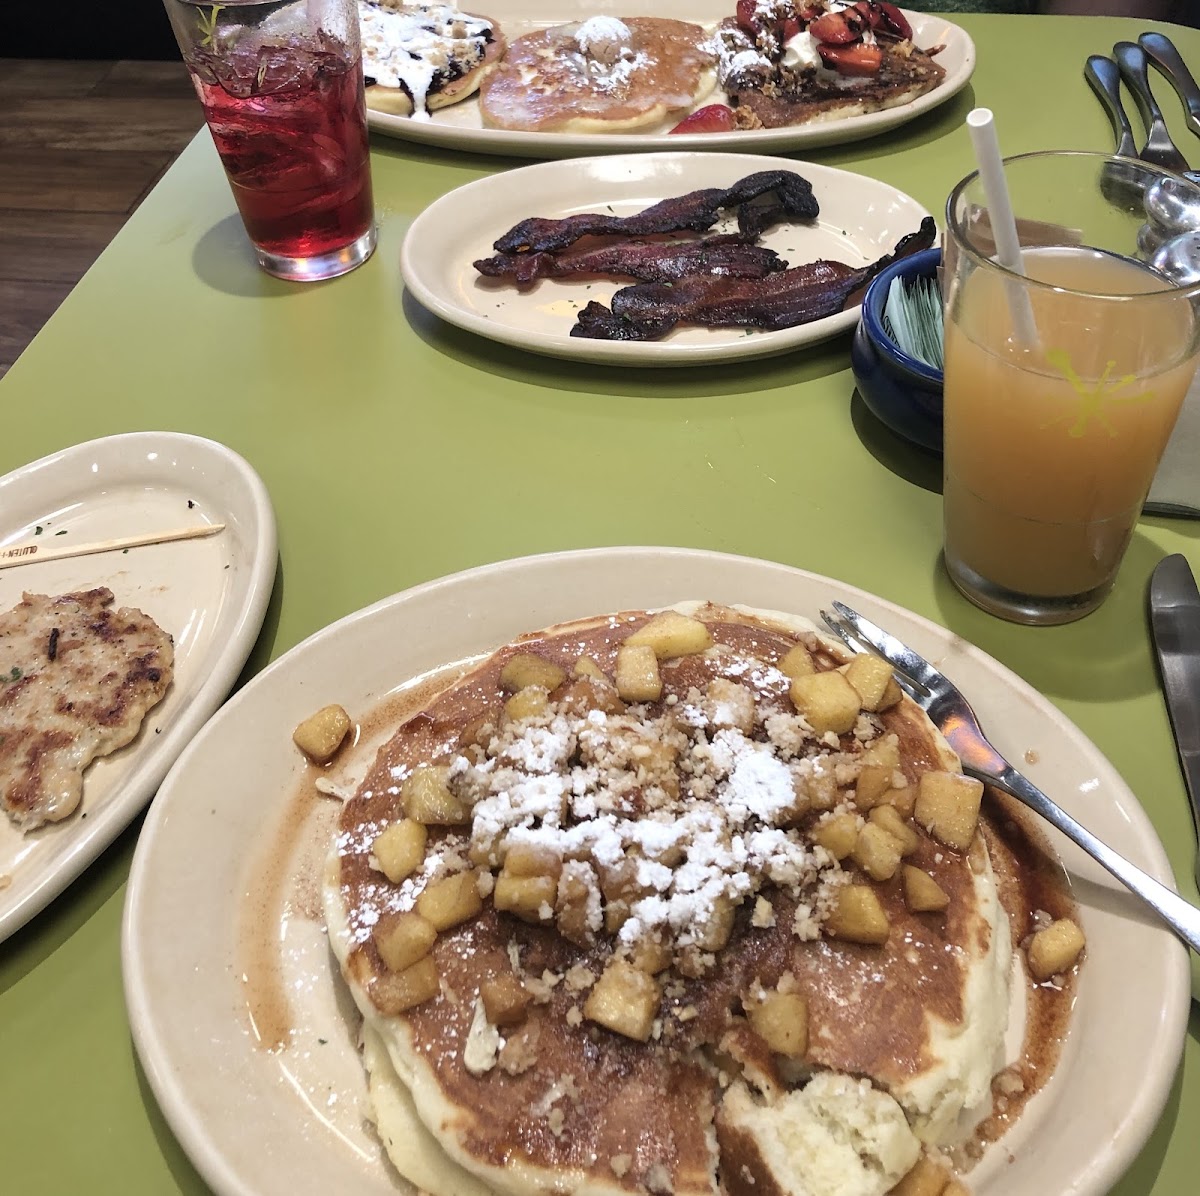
{"type": "Point", "coordinates": [560, 961]}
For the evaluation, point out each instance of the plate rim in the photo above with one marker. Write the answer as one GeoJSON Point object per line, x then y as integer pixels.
{"type": "Point", "coordinates": [520, 143]}
{"type": "Point", "coordinates": [643, 354]}
{"type": "Point", "coordinates": [169, 1087]}
{"type": "Point", "coordinates": [123, 806]}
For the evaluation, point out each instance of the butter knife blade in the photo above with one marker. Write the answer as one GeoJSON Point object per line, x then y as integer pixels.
{"type": "Point", "coordinates": [1175, 625]}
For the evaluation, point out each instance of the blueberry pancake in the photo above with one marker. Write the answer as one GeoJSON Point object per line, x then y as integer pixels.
{"type": "Point", "coordinates": [421, 57]}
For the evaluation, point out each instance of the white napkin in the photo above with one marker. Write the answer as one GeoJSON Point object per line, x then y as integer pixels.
{"type": "Point", "coordinates": [1176, 487]}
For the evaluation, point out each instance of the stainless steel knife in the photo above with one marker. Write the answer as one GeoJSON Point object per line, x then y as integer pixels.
{"type": "Point", "coordinates": [1175, 625]}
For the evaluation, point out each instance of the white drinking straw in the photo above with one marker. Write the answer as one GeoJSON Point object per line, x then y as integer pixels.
{"type": "Point", "coordinates": [982, 127]}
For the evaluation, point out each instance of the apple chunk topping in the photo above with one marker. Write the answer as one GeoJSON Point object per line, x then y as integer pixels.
{"type": "Point", "coordinates": [526, 669]}
{"type": "Point", "coordinates": [888, 819]}
{"type": "Point", "coordinates": [624, 1000]}
{"type": "Point", "coordinates": [530, 898]}
{"type": "Point", "coordinates": [403, 938]}
{"type": "Point", "coordinates": [827, 700]}
{"type": "Point", "coordinates": [837, 834]}
{"type": "Point", "coordinates": [797, 662]}
{"type": "Point", "coordinates": [923, 894]}
{"type": "Point", "coordinates": [876, 852]}
{"type": "Point", "coordinates": [426, 797]}
{"type": "Point", "coordinates": [505, 1000]}
{"type": "Point", "coordinates": [947, 807]}
{"type": "Point", "coordinates": [858, 916]}
{"type": "Point", "coordinates": [399, 849]}
{"type": "Point", "coordinates": [780, 1019]}
{"type": "Point", "coordinates": [394, 992]}
{"type": "Point", "coordinates": [1053, 951]}
{"type": "Point", "coordinates": [450, 900]}
{"type": "Point", "coordinates": [637, 676]}
{"type": "Point", "coordinates": [671, 635]}
{"type": "Point", "coordinates": [874, 681]}
{"type": "Point", "coordinates": [321, 734]}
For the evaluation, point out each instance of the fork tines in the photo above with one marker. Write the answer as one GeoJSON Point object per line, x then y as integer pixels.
{"type": "Point", "coordinates": [859, 634]}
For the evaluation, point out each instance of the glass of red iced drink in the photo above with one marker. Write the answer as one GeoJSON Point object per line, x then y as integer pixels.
{"type": "Point", "coordinates": [281, 84]}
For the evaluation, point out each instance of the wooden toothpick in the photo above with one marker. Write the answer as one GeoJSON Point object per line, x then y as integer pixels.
{"type": "Point", "coordinates": [41, 550]}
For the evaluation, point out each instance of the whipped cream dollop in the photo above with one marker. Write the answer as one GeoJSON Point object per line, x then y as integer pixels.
{"type": "Point", "coordinates": [606, 59]}
{"type": "Point", "coordinates": [800, 52]}
{"type": "Point", "coordinates": [604, 39]}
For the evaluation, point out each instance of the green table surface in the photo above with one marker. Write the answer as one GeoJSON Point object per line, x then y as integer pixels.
{"type": "Point", "coordinates": [397, 449]}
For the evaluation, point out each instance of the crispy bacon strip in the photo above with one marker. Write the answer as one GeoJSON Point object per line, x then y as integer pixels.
{"type": "Point", "coordinates": [648, 311]}
{"type": "Point", "coordinates": [762, 199]}
{"type": "Point", "coordinates": [650, 261]}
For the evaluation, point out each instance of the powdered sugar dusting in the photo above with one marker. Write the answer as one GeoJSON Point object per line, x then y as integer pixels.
{"type": "Point", "coordinates": [667, 816]}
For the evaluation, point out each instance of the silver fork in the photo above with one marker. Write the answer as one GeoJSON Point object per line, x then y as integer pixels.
{"type": "Point", "coordinates": [1159, 149]}
{"type": "Point", "coordinates": [951, 713]}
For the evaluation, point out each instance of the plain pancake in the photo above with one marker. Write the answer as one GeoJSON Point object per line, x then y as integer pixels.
{"type": "Point", "coordinates": [588, 1096]}
{"type": "Point", "coordinates": [546, 83]}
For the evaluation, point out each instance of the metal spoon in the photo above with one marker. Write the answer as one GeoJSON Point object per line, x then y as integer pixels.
{"type": "Point", "coordinates": [1118, 183]}
{"type": "Point", "coordinates": [1105, 79]}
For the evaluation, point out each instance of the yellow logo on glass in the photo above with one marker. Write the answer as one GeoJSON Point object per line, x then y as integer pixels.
{"type": "Point", "coordinates": [1093, 398]}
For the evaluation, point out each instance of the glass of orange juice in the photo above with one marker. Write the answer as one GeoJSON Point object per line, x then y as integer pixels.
{"type": "Point", "coordinates": [1062, 383]}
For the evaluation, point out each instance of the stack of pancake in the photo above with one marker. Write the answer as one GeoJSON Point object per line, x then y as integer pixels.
{"type": "Point", "coordinates": [903, 1032]}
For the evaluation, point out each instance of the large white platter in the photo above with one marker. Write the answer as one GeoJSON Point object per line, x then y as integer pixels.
{"type": "Point", "coordinates": [861, 220]}
{"type": "Point", "coordinates": [210, 595]}
{"type": "Point", "coordinates": [461, 127]}
{"type": "Point", "coordinates": [199, 913]}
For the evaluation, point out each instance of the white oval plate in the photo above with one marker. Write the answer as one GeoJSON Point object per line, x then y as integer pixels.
{"type": "Point", "coordinates": [461, 127]}
{"type": "Point", "coordinates": [210, 595]}
{"type": "Point", "coordinates": [861, 220]}
{"type": "Point", "coordinates": [292, 1121]}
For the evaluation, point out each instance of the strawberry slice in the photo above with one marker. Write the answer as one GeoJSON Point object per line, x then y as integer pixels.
{"type": "Point", "coordinates": [895, 22]}
{"type": "Point", "coordinates": [852, 60]}
{"type": "Point", "coordinates": [713, 118]}
{"type": "Point", "coordinates": [789, 28]}
{"type": "Point", "coordinates": [837, 28]}
{"type": "Point", "coordinates": [745, 16]}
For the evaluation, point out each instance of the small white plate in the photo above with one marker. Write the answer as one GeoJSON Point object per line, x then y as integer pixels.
{"type": "Point", "coordinates": [861, 220]}
{"type": "Point", "coordinates": [210, 595]}
{"type": "Point", "coordinates": [223, 885]}
{"type": "Point", "coordinates": [461, 127]}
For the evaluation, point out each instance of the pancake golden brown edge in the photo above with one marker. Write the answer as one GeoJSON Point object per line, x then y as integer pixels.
{"type": "Point", "coordinates": [669, 903]}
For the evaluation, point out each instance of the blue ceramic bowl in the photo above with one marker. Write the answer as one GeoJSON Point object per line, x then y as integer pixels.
{"type": "Point", "coordinates": [905, 393]}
